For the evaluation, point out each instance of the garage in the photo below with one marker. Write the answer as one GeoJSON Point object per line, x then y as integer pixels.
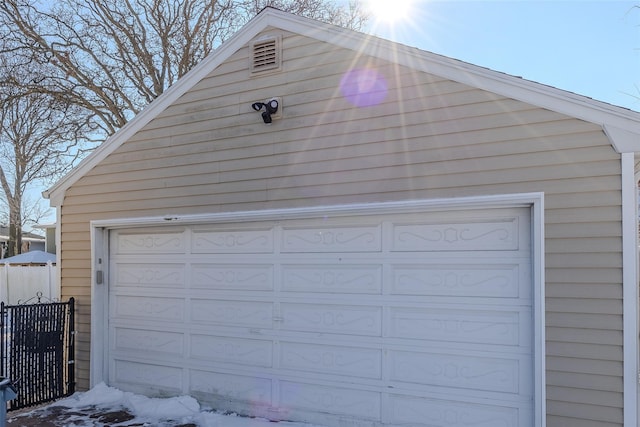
{"type": "Point", "coordinates": [391, 313]}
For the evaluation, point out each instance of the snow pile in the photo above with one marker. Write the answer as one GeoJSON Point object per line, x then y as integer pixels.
{"type": "Point", "coordinates": [152, 411]}
{"type": "Point", "coordinates": [101, 395]}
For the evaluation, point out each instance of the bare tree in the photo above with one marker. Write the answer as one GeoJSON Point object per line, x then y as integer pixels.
{"type": "Point", "coordinates": [113, 57]}
{"type": "Point", "coordinates": [36, 145]}
{"type": "Point", "coordinates": [75, 71]}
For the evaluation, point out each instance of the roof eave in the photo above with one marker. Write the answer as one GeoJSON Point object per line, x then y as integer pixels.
{"type": "Point", "coordinates": [623, 140]}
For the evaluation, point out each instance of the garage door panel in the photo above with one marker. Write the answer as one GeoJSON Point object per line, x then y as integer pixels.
{"type": "Point", "coordinates": [149, 308]}
{"type": "Point", "coordinates": [334, 360]}
{"type": "Point", "coordinates": [464, 372]}
{"type": "Point", "coordinates": [354, 320]}
{"type": "Point", "coordinates": [252, 389]}
{"type": "Point", "coordinates": [479, 235]}
{"type": "Point", "coordinates": [236, 241]}
{"type": "Point", "coordinates": [462, 279]}
{"type": "Point", "coordinates": [148, 341]}
{"type": "Point", "coordinates": [257, 314]}
{"type": "Point", "coordinates": [332, 278]}
{"type": "Point", "coordinates": [415, 411]}
{"type": "Point", "coordinates": [234, 351]}
{"type": "Point", "coordinates": [456, 324]}
{"type": "Point", "coordinates": [332, 239]}
{"type": "Point", "coordinates": [149, 274]}
{"type": "Point", "coordinates": [150, 242]}
{"type": "Point", "coordinates": [241, 277]}
{"type": "Point", "coordinates": [330, 399]}
{"type": "Point", "coordinates": [157, 377]}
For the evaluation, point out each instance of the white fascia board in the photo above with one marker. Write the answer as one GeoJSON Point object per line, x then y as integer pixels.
{"type": "Point", "coordinates": [624, 141]}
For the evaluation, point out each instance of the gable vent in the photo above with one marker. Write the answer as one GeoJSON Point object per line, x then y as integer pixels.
{"type": "Point", "coordinates": [265, 55]}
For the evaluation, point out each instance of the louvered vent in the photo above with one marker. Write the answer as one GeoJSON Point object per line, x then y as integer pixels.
{"type": "Point", "coordinates": [265, 55]}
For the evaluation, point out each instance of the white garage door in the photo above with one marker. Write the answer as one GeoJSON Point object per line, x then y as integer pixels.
{"type": "Point", "coordinates": [420, 318]}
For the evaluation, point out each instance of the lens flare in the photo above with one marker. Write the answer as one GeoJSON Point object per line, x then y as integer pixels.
{"type": "Point", "coordinates": [389, 11]}
{"type": "Point", "coordinates": [364, 87]}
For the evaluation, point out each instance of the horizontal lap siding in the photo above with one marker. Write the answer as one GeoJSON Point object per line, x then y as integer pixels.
{"type": "Point", "coordinates": [430, 138]}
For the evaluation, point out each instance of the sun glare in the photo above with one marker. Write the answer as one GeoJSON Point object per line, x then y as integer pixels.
{"type": "Point", "coordinates": [390, 11]}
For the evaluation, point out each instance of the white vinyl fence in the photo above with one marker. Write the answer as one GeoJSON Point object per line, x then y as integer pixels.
{"type": "Point", "coordinates": [20, 283]}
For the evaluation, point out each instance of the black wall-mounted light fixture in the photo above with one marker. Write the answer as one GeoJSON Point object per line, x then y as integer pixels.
{"type": "Point", "coordinates": [270, 108]}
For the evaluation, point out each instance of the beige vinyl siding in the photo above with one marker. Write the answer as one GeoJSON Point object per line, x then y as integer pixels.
{"type": "Point", "coordinates": [430, 138]}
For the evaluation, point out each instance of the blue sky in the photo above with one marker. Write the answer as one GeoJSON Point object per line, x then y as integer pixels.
{"type": "Point", "coordinates": [588, 47]}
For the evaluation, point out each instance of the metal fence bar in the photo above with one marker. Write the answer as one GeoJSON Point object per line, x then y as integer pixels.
{"type": "Point", "coordinates": [71, 349]}
{"type": "Point", "coordinates": [37, 351]}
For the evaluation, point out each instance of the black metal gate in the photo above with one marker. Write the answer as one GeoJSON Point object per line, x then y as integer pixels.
{"type": "Point", "coordinates": [37, 351]}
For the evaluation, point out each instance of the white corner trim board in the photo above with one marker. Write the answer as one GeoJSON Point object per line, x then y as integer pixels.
{"type": "Point", "coordinates": [630, 289]}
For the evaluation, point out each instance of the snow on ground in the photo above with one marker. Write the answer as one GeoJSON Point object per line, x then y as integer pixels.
{"type": "Point", "coordinates": [154, 411]}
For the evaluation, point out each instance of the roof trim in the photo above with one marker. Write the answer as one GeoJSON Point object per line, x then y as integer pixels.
{"type": "Point", "coordinates": [623, 140]}
{"type": "Point", "coordinates": [625, 121]}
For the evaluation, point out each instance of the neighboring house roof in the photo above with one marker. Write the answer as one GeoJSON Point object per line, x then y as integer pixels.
{"type": "Point", "coordinates": [33, 257]}
{"type": "Point", "coordinates": [619, 123]}
{"type": "Point", "coordinates": [26, 236]}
